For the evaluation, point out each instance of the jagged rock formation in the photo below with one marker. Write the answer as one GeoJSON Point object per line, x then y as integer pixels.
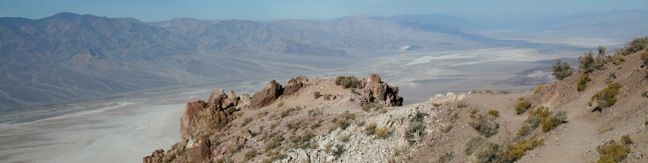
{"type": "Point", "coordinates": [375, 90]}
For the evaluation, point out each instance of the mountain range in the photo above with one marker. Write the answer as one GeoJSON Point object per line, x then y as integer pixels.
{"type": "Point", "coordinates": [69, 56]}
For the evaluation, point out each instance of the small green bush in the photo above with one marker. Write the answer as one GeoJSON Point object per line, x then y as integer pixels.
{"type": "Point", "coordinates": [586, 62]}
{"type": "Point", "coordinates": [562, 70]}
{"type": "Point", "coordinates": [415, 127]}
{"type": "Point", "coordinates": [515, 151]}
{"type": "Point", "coordinates": [583, 79]}
{"type": "Point", "coordinates": [484, 124]}
{"type": "Point", "coordinates": [606, 97]}
{"type": "Point", "coordinates": [494, 113]}
{"type": "Point", "coordinates": [644, 57]}
{"type": "Point", "coordinates": [612, 152]}
{"type": "Point", "coordinates": [522, 106]}
{"type": "Point", "coordinates": [338, 151]}
{"type": "Point", "coordinates": [645, 94]}
{"type": "Point", "coordinates": [348, 82]}
{"type": "Point", "coordinates": [635, 45]}
{"type": "Point", "coordinates": [544, 118]}
{"type": "Point", "coordinates": [317, 94]}
{"type": "Point", "coordinates": [481, 150]}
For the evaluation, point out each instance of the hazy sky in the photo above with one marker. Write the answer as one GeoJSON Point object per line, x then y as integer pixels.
{"type": "Point", "coordinates": [153, 10]}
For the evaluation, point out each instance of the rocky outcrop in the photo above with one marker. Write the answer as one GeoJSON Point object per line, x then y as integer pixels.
{"type": "Point", "coordinates": [294, 85]}
{"type": "Point", "coordinates": [377, 91]}
{"type": "Point", "coordinates": [269, 94]}
{"type": "Point", "coordinates": [211, 131]}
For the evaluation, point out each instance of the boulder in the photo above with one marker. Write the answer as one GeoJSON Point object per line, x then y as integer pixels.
{"type": "Point", "coordinates": [294, 85]}
{"type": "Point", "coordinates": [269, 94]}
{"type": "Point", "coordinates": [190, 116]}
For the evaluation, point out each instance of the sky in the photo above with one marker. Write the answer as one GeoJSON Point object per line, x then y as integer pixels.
{"type": "Point", "coordinates": [157, 10]}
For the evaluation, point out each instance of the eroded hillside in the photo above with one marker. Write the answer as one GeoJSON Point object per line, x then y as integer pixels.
{"type": "Point", "coordinates": [597, 113]}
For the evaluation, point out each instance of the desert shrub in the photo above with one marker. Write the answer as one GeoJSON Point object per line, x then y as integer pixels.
{"type": "Point", "coordinates": [544, 118]}
{"type": "Point", "coordinates": [612, 152]}
{"type": "Point", "coordinates": [484, 124]}
{"type": "Point", "coordinates": [586, 62]}
{"type": "Point", "coordinates": [382, 132]}
{"type": "Point", "coordinates": [344, 120]}
{"type": "Point", "coordinates": [415, 127]}
{"type": "Point", "coordinates": [611, 76]}
{"type": "Point", "coordinates": [344, 137]}
{"type": "Point", "coordinates": [583, 79]}
{"type": "Point", "coordinates": [626, 139]}
{"type": "Point", "coordinates": [606, 97]}
{"type": "Point", "coordinates": [494, 113]}
{"type": "Point", "coordinates": [599, 60]}
{"type": "Point", "coordinates": [522, 105]}
{"type": "Point", "coordinates": [348, 82]}
{"type": "Point", "coordinates": [289, 111]}
{"type": "Point", "coordinates": [370, 129]}
{"type": "Point", "coordinates": [481, 150]}
{"type": "Point", "coordinates": [250, 154]}
{"type": "Point", "coordinates": [317, 94]}
{"type": "Point", "coordinates": [616, 59]}
{"type": "Point", "coordinates": [562, 70]}
{"type": "Point", "coordinates": [515, 151]}
{"type": "Point", "coordinates": [634, 46]}
{"type": "Point", "coordinates": [645, 94]}
{"type": "Point", "coordinates": [302, 140]}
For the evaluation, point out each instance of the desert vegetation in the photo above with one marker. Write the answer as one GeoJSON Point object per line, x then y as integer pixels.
{"type": "Point", "coordinates": [612, 152]}
{"type": "Point", "coordinates": [541, 117]}
{"type": "Point", "coordinates": [522, 105]}
{"type": "Point", "coordinates": [562, 70]}
{"type": "Point", "coordinates": [484, 124]}
{"type": "Point", "coordinates": [583, 79]}
{"type": "Point", "coordinates": [348, 82]}
{"type": "Point", "coordinates": [606, 97]}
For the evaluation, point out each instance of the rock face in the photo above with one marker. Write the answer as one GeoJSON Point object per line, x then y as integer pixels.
{"type": "Point", "coordinates": [294, 85]}
{"type": "Point", "coordinates": [377, 91]}
{"type": "Point", "coordinates": [269, 94]}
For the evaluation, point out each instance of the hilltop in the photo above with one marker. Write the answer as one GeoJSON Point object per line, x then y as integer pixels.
{"type": "Point", "coordinates": [595, 113]}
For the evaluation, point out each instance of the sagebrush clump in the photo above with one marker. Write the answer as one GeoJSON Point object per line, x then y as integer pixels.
{"type": "Point", "coordinates": [634, 46]}
{"type": "Point", "coordinates": [481, 150]}
{"type": "Point", "coordinates": [541, 117]}
{"type": "Point", "coordinates": [582, 82]}
{"type": "Point", "coordinates": [484, 124]}
{"type": "Point", "coordinates": [612, 152]}
{"type": "Point", "coordinates": [516, 150]}
{"type": "Point", "coordinates": [348, 82]}
{"type": "Point", "coordinates": [562, 70]}
{"type": "Point", "coordinates": [415, 128]}
{"type": "Point", "coordinates": [522, 105]}
{"type": "Point", "coordinates": [606, 97]}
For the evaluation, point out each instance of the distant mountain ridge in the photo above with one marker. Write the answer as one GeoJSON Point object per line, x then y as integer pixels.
{"type": "Point", "coordinates": [69, 56]}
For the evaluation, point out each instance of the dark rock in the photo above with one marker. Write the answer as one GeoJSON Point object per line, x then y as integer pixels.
{"type": "Point", "coordinates": [269, 94]}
